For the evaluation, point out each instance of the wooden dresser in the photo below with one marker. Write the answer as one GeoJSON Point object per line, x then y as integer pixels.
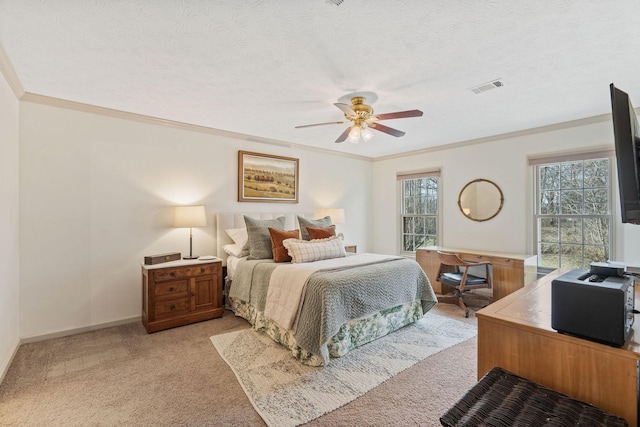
{"type": "Point", "coordinates": [181, 292]}
{"type": "Point", "coordinates": [510, 271]}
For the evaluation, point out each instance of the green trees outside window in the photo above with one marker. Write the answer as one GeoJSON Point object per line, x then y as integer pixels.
{"type": "Point", "coordinates": [419, 212]}
{"type": "Point", "coordinates": [573, 213]}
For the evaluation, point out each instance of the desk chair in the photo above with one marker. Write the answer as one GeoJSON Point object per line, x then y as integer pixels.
{"type": "Point", "coordinates": [450, 274]}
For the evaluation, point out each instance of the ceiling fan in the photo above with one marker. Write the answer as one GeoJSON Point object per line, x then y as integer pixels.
{"type": "Point", "coordinates": [362, 120]}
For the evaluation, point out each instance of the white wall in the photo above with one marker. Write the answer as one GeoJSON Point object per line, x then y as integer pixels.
{"type": "Point", "coordinates": [503, 161]}
{"type": "Point", "coordinates": [9, 214]}
{"type": "Point", "coordinates": [96, 195]}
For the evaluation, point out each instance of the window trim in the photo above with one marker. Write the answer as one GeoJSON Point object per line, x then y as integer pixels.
{"type": "Point", "coordinates": [538, 161]}
{"type": "Point", "coordinates": [596, 153]}
{"type": "Point", "coordinates": [400, 177]}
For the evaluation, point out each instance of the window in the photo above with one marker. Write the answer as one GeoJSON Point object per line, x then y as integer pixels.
{"type": "Point", "coordinates": [419, 210]}
{"type": "Point", "coordinates": [573, 213]}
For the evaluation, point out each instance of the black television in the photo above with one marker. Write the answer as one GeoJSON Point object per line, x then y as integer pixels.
{"type": "Point", "coordinates": [627, 142]}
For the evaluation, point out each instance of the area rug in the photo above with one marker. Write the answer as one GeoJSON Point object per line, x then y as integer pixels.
{"type": "Point", "coordinates": [286, 393]}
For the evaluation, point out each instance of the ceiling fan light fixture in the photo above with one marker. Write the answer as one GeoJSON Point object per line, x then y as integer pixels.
{"type": "Point", "coordinates": [355, 134]}
{"type": "Point", "coordinates": [366, 134]}
{"type": "Point", "coordinates": [361, 115]}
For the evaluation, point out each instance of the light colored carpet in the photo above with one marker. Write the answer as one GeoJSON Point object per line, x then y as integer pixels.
{"type": "Point", "coordinates": [286, 393]}
{"type": "Point", "coordinates": [122, 376]}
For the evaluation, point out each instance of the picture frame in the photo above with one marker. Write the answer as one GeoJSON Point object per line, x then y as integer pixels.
{"type": "Point", "coordinates": [267, 178]}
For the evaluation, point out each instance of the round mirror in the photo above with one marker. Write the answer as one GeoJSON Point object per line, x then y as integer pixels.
{"type": "Point", "coordinates": [480, 200]}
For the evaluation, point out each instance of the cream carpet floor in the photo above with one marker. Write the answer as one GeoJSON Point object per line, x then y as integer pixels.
{"type": "Point", "coordinates": [122, 376]}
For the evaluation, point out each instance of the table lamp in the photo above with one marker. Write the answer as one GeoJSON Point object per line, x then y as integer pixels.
{"type": "Point", "coordinates": [190, 216]}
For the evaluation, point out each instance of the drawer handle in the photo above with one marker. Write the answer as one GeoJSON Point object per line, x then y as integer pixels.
{"type": "Point", "coordinates": [173, 307]}
{"type": "Point", "coordinates": [172, 274]}
{"type": "Point", "coordinates": [202, 270]}
{"type": "Point", "coordinates": [171, 289]}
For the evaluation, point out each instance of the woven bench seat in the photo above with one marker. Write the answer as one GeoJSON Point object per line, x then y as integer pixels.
{"type": "Point", "coordinates": [503, 399]}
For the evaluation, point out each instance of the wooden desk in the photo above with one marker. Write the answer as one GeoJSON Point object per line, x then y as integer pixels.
{"type": "Point", "coordinates": [515, 333]}
{"type": "Point", "coordinates": [510, 271]}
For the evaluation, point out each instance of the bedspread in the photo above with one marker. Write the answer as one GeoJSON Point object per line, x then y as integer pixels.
{"type": "Point", "coordinates": [287, 285]}
{"type": "Point", "coordinates": [332, 298]}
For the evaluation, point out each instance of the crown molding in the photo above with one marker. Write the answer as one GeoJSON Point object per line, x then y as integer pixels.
{"type": "Point", "coordinates": [533, 131]}
{"type": "Point", "coordinates": [9, 73]}
{"type": "Point", "coordinates": [141, 118]}
{"type": "Point", "coordinates": [125, 115]}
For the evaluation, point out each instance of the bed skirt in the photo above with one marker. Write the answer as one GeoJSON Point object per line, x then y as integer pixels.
{"type": "Point", "coordinates": [352, 334]}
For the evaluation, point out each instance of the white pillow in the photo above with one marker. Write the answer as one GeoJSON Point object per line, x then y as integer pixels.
{"type": "Point", "coordinates": [235, 250]}
{"type": "Point", "coordinates": [238, 235]}
{"type": "Point", "coordinates": [314, 250]}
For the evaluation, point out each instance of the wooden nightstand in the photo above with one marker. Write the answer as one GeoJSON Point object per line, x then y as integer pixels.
{"type": "Point", "coordinates": [351, 248]}
{"type": "Point", "coordinates": [181, 292]}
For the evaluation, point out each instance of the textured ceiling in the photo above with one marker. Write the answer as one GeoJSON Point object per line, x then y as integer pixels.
{"type": "Point", "coordinates": [262, 67]}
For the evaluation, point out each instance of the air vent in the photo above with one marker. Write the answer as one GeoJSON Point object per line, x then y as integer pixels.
{"type": "Point", "coordinates": [487, 86]}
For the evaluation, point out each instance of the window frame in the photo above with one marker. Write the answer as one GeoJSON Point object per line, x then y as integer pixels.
{"type": "Point", "coordinates": [539, 162]}
{"type": "Point", "coordinates": [401, 178]}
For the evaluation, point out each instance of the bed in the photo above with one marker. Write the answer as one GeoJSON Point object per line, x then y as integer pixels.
{"type": "Point", "coordinates": [343, 302]}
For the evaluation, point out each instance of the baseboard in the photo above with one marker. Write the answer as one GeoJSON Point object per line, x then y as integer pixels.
{"type": "Point", "coordinates": [5, 368]}
{"type": "Point", "coordinates": [36, 338]}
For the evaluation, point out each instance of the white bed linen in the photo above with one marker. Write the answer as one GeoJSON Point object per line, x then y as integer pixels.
{"type": "Point", "coordinates": [232, 264]}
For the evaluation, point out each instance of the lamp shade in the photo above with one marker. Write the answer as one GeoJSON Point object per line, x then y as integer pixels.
{"type": "Point", "coordinates": [336, 214]}
{"type": "Point", "coordinates": [189, 216]}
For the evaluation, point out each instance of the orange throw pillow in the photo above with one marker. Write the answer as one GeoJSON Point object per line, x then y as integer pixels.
{"type": "Point", "coordinates": [280, 253]}
{"type": "Point", "coordinates": [321, 233]}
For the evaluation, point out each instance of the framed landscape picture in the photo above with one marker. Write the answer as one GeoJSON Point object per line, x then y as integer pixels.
{"type": "Point", "coordinates": [267, 178]}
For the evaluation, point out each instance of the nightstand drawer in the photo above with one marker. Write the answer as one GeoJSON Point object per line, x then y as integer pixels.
{"type": "Point", "coordinates": [171, 288]}
{"type": "Point", "coordinates": [182, 272]}
{"type": "Point", "coordinates": [172, 307]}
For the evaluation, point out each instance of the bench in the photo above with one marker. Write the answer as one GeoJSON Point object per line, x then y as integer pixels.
{"type": "Point", "coordinates": [502, 398]}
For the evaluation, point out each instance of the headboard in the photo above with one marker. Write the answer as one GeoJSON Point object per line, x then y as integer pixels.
{"type": "Point", "coordinates": [228, 220]}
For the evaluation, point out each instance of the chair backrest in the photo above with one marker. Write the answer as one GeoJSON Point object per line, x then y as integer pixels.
{"type": "Point", "coordinates": [451, 259]}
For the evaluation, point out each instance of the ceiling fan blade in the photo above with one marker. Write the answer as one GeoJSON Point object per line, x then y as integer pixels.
{"type": "Point", "coordinates": [319, 124]}
{"type": "Point", "coordinates": [346, 109]}
{"type": "Point", "coordinates": [344, 134]}
{"type": "Point", "coordinates": [386, 129]}
{"type": "Point", "coordinates": [399, 115]}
